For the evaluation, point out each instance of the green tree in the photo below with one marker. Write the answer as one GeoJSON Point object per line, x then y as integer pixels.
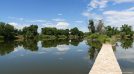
{"type": "Point", "coordinates": [7, 31]}
{"type": "Point", "coordinates": [111, 31]}
{"type": "Point", "coordinates": [30, 32]}
{"type": "Point", "coordinates": [91, 26]}
{"type": "Point", "coordinates": [126, 30]}
{"type": "Point", "coordinates": [100, 27]}
{"type": "Point", "coordinates": [74, 31]}
{"type": "Point", "coordinates": [49, 31]}
{"type": "Point", "coordinates": [63, 32]}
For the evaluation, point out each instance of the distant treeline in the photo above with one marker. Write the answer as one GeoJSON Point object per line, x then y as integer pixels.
{"type": "Point", "coordinates": [8, 31]}
{"type": "Point", "coordinates": [125, 31]}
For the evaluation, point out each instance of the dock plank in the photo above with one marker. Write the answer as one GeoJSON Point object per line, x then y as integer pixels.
{"type": "Point", "coordinates": [106, 62]}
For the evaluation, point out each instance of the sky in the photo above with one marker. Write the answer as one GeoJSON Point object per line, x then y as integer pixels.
{"type": "Point", "coordinates": [64, 14]}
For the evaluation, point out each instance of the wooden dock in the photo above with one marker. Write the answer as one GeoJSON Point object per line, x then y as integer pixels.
{"type": "Point", "coordinates": [106, 62]}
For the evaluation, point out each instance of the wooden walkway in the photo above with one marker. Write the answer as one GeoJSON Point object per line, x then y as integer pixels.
{"type": "Point", "coordinates": [106, 62]}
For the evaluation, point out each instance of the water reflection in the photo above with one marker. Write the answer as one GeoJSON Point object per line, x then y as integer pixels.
{"type": "Point", "coordinates": [126, 43]}
{"type": "Point", "coordinates": [54, 43]}
{"type": "Point", "coordinates": [33, 45]}
{"type": "Point", "coordinates": [73, 56]}
{"type": "Point", "coordinates": [94, 48]}
{"type": "Point", "coordinates": [30, 44]}
{"type": "Point", "coordinates": [124, 53]}
{"type": "Point", "coordinates": [76, 42]}
{"type": "Point", "coordinates": [45, 57]}
{"type": "Point", "coordinates": [7, 47]}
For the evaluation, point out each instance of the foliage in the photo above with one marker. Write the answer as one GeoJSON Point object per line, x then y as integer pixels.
{"type": "Point", "coordinates": [75, 31]}
{"type": "Point", "coordinates": [30, 32]}
{"type": "Point", "coordinates": [47, 37]}
{"type": "Point", "coordinates": [110, 31]}
{"type": "Point", "coordinates": [49, 31]}
{"type": "Point", "coordinates": [126, 43]}
{"type": "Point", "coordinates": [7, 31]}
{"type": "Point", "coordinates": [126, 30]}
{"type": "Point", "coordinates": [99, 37]}
{"type": "Point", "coordinates": [91, 26]}
{"type": "Point", "coordinates": [63, 32]}
{"type": "Point", "coordinates": [100, 27]}
{"type": "Point", "coordinates": [62, 37]}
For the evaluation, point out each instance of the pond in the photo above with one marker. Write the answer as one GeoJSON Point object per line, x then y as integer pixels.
{"type": "Point", "coordinates": [59, 56]}
{"type": "Point", "coordinates": [125, 55]}
{"type": "Point", "coordinates": [46, 57]}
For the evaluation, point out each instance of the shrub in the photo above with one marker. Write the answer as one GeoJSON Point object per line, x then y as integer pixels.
{"type": "Point", "coordinates": [99, 37]}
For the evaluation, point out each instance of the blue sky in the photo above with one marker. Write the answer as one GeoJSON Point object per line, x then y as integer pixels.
{"type": "Point", "coordinates": [66, 13]}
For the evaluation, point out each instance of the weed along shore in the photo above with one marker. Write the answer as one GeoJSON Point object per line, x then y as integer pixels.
{"type": "Point", "coordinates": [106, 62]}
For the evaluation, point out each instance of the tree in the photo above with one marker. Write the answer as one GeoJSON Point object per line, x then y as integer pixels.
{"type": "Point", "coordinates": [30, 32]}
{"type": "Point", "coordinates": [74, 31]}
{"type": "Point", "coordinates": [81, 33]}
{"type": "Point", "coordinates": [91, 26]}
{"type": "Point", "coordinates": [7, 31]}
{"type": "Point", "coordinates": [126, 30]}
{"type": "Point", "coordinates": [49, 31]}
{"type": "Point", "coordinates": [100, 27]}
{"type": "Point", "coordinates": [111, 31]}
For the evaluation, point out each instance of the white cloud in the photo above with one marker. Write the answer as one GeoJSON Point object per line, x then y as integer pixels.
{"type": "Point", "coordinates": [59, 25]}
{"type": "Point", "coordinates": [60, 14]}
{"type": "Point", "coordinates": [113, 17]}
{"type": "Point", "coordinates": [130, 9]}
{"type": "Point", "coordinates": [118, 18]}
{"type": "Point", "coordinates": [17, 25]}
{"type": "Point", "coordinates": [79, 21]}
{"type": "Point", "coordinates": [62, 25]}
{"type": "Point", "coordinates": [92, 15]}
{"type": "Point", "coordinates": [87, 14]}
{"type": "Point", "coordinates": [16, 18]}
{"type": "Point", "coordinates": [98, 3]}
{"type": "Point", "coordinates": [103, 3]}
{"type": "Point", "coordinates": [123, 1]}
{"type": "Point", "coordinates": [58, 19]}
{"type": "Point", "coordinates": [41, 21]}
{"type": "Point", "coordinates": [13, 23]}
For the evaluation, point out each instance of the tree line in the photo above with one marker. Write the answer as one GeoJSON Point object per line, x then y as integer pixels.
{"type": "Point", "coordinates": [125, 31]}
{"type": "Point", "coordinates": [8, 31]}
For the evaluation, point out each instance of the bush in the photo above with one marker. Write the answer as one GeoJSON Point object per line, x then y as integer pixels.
{"type": "Point", "coordinates": [104, 39]}
{"type": "Point", "coordinates": [93, 36]}
{"type": "Point", "coordinates": [73, 37]}
{"type": "Point", "coordinates": [1, 37]}
{"type": "Point", "coordinates": [100, 37]}
{"type": "Point", "coordinates": [62, 37]}
{"type": "Point", "coordinates": [48, 37]}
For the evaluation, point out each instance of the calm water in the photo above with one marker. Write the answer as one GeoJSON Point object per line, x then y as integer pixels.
{"type": "Point", "coordinates": [125, 56]}
{"type": "Point", "coordinates": [59, 56]}
{"type": "Point", "coordinates": [46, 57]}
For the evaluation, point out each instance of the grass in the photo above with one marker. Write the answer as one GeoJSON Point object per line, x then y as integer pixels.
{"type": "Point", "coordinates": [102, 38]}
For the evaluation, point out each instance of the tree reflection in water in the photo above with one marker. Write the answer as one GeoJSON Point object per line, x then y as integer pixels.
{"type": "Point", "coordinates": [6, 47]}
{"type": "Point", "coordinates": [126, 43]}
{"type": "Point", "coordinates": [94, 48]}
{"type": "Point", "coordinates": [32, 45]}
{"type": "Point", "coordinates": [75, 42]}
{"type": "Point", "coordinates": [54, 43]}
